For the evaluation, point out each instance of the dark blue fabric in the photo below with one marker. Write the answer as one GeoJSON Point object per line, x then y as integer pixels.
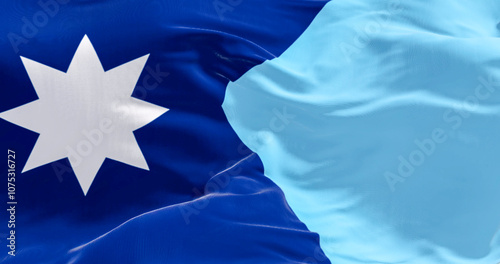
{"type": "Point", "coordinates": [194, 213]}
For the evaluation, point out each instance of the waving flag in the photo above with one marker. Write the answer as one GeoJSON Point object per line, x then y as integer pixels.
{"type": "Point", "coordinates": [381, 125]}
{"type": "Point", "coordinates": [116, 147]}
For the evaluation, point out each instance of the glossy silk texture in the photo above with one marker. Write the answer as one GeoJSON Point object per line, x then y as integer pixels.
{"type": "Point", "coordinates": [204, 198]}
{"type": "Point", "coordinates": [387, 139]}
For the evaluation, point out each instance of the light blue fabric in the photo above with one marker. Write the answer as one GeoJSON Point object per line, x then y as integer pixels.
{"type": "Point", "coordinates": [381, 123]}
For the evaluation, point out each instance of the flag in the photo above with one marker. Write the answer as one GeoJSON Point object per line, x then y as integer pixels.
{"type": "Point", "coordinates": [116, 146]}
{"type": "Point", "coordinates": [380, 124]}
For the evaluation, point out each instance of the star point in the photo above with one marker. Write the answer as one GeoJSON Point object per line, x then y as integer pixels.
{"type": "Point", "coordinates": [85, 114]}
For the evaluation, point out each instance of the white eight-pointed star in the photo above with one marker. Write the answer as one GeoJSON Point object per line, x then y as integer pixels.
{"type": "Point", "coordinates": [85, 114]}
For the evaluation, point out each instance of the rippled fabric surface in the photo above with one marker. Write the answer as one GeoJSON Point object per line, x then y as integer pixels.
{"type": "Point", "coordinates": [381, 124]}
{"type": "Point", "coordinates": [202, 197]}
